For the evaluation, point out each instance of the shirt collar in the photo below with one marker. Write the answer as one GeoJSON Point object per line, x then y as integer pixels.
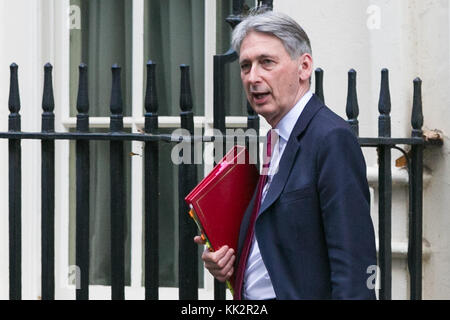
{"type": "Point", "coordinates": [287, 123]}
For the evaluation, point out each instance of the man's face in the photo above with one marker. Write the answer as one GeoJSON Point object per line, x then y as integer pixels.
{"type": "Point", "coordinates": [273, 81]}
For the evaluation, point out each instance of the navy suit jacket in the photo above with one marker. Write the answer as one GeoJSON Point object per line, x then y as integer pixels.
{"type": "Point", "coordinates": [314, 230]}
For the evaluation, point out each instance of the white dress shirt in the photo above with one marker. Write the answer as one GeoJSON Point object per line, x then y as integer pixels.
{"type": "Point", "coordinates": [257, 283]}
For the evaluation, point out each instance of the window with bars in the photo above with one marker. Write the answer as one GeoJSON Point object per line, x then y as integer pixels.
{"type": "Point", "coordinates": [129, 33]}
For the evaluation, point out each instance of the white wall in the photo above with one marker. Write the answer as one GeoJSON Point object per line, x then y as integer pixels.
{"type": "Point", "coordinates": [27, 39]}
{"type": "Point", "coordinates": [412, 40]}
{"type": "Point", "coordinates": [434, 56]}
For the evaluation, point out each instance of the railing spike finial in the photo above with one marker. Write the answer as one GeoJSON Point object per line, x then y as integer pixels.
{"type": "Point", "coordinates": [352, 108]}
{"type": "Point", "coordinates": [384, 104]}
{"type": "Point", "coordinates": [83, 95]}
{"type": "Point", "coordinates": [48, 101]}
{"type": "Point", "coordinates": [185, 89]}
{"type": "Point", "coordinates": [319, 84]}
{"type": "Point", "coordinates": [14, 97]}
{"type": "Point", "coordinates": [151, 98]}
{"type": "Point", "coordinates": [116, 105]}
{"type": "Point", "coordinates": [417, 113]}
{"type": "Point", "coordinates": [116, 91]}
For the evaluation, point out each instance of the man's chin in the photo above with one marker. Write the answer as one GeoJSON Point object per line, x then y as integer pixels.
{"type": "Point", "coordinates": [268, 116]}
{"type": "Point", "coordinates": [262, 109]}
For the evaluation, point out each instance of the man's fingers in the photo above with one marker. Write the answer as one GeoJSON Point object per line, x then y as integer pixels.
{"type": "Point", "coordinates": [198, 240]}
{"type": "Point", "coordinates": [226, 272]}
{"type": "Point", "coordinates": [219, 263]}
{"type": "Point", "coordinates": [215, 256]}
{"type": "Point", "coordinates": [217, 259]}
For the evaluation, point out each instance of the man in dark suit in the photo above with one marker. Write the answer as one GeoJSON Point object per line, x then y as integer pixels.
{"type": "Point", "coordinates": [307, 233]}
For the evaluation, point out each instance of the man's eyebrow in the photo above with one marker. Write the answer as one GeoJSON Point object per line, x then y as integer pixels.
{"type": "Point", "coordinates": [261, 56]}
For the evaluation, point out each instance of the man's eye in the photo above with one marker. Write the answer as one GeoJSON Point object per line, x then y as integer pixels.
{"type": "Point", "coordinates": [245, 67]}
{"type": "Point", "coordinates": [267, 62]}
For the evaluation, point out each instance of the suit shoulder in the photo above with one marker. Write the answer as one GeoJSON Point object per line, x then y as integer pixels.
{"type": "Point", "coordinates": [326, 121]}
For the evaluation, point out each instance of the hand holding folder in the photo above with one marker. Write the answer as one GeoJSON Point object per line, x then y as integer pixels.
{"type": "Point", "coordinates": [219, 201]}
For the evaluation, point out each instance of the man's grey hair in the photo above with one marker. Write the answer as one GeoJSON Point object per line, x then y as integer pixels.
{"type": "Point", "coordinates": [293, 37]}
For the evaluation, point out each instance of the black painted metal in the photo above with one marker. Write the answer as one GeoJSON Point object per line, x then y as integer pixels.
{"type": "Point", "coordinates": [187, 180]}
{"type": "Point", "coordinates": [82, 191]}
{"type": "Point", "coordinates": [98, 136]}
{"type": "Point", "coordinates": [237, 6]}
{"type": "Point", "coordinates": [319, 84]}
{"type": "Point", "coordinates": [253, 123]}
{"type": "Point", "coordinates": [385, 191]}
{"type": "Point", "coordinates": [151, 174]}
{"type": "Point", "coordinates": [352, 108]}
{"type": "Point", "coordinates": [117, 191]}
{"type": "Point", "coordinates": [15, 190]}
{"type": "Point", "coordinates": [235, 17]}
{"type": "Point", "coordinates": [266, 3]}
{"type": "Point", "coordinates": [415, 232]}
{"type": "Point", "coordinates": [219, 88]}
{"type": "Point", "coordinates": [48, 190]}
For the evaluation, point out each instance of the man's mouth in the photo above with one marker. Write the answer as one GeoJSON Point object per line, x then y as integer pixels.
{"type": "Point", "coordinates": [260, 97]}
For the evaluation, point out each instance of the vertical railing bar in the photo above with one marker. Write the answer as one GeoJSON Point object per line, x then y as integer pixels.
{"type": "Point", "coordinates": [417, 194]}
{"type": "Point", "coordinates": [188, 253]}
{"type": "Point", "coordinates": [219, 90]}
{"type": "Point", "coordinates": [117, 191]}
{"type": "Point", "coordinates": [252, 143]}
{"type": "Point", "coordinates": [151, 174]}
{"type": "Point", "coordinates": [82, 189]}
{"type": "Point", "coordinates": [219, 62]}
{"type": "Point", "coordinates": [385, 191]}
{"type": "Point", "coordinates": [48, 190]}
{"type": "Point", "coordinates": [15, 190]}
{"type": "Point", "coordinates": [410, 255]}
{"type": "Point", "coordinates": [219, 124]}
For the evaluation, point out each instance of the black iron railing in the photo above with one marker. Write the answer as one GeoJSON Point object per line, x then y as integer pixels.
{"type": "Point", "coordinates": [187, 177]}
{"type": "Point", "coordinates": [187, 180]}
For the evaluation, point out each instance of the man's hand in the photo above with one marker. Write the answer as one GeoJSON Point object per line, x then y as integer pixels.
{"type": "Point", "coordinates": [219, 263]}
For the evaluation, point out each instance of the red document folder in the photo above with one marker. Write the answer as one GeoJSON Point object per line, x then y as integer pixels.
{"type": "Point", "coordinates": [219, 201]}
{"type": "Point", "coordinates": [221, 198]}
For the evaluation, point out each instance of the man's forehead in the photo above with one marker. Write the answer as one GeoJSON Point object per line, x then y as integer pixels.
{"type": "Point", "coordinates": [256, 36]}
{"type": "Point", "coordinates": [258, 44]}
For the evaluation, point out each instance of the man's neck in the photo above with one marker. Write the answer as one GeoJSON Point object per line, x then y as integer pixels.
{"type": "Point", "coordinates": [274, 122]}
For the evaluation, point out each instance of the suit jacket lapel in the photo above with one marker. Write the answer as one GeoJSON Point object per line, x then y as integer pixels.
{"type": "Point", "coordinates": [290, 152]}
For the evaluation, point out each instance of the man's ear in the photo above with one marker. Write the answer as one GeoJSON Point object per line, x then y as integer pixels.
{"type": "Point", "coordinates": [305, 66]}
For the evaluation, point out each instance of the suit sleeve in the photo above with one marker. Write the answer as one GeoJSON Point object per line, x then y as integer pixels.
{"type": "Point", "coordinates": [345, 206]}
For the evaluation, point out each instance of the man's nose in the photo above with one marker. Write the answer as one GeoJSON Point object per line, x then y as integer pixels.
{"type": "Point", "coordinates": [254, 75]}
